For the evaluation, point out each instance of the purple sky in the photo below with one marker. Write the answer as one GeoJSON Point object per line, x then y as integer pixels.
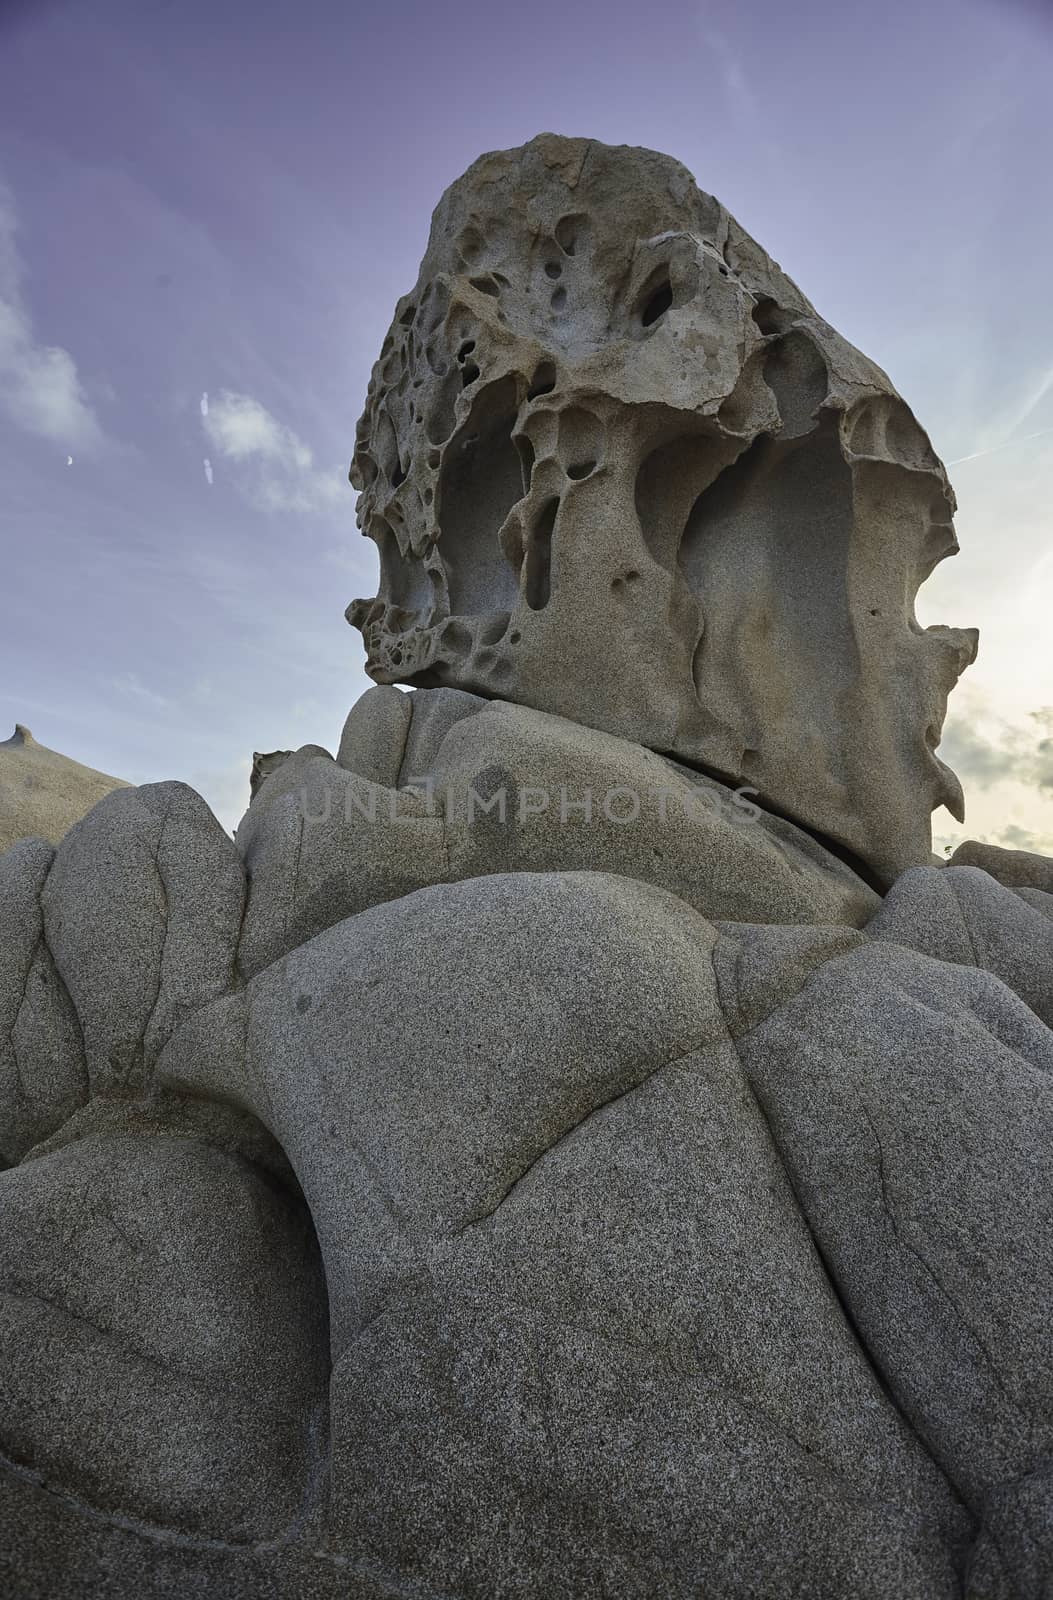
{"type": "Point", "coordinates": [226, 199]}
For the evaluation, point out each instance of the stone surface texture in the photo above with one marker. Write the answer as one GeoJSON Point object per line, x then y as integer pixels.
{"type": "Point", "coordinates": [524, 1165]}
{"type": "Point", "coordinates": [42, 793]}
{"type": "Point", "coordinates": [618, 468]}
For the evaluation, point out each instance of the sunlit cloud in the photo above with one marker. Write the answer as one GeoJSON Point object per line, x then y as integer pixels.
{"type": "Point", "coordinates": [40, 389]}
{"type": "Point", "coordinates": [1001, 750]}
{"type": "Point", "coordinates": [278, 469]}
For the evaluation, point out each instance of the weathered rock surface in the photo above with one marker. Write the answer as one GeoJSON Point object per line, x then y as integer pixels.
{"type": "Point", "coordinates": [618, 468]}
{"type": "Point", "coordinates": [42, 793]}
{"type": "Point", "coordinates": [440, 785]}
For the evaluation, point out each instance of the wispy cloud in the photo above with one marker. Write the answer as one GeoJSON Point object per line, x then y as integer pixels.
{"type": "Point", "coordinates": [275, 469]}
{"type": "Point", "coordinates": [40, 389]}
{"type": "Point", "coordinates": [129, 683]}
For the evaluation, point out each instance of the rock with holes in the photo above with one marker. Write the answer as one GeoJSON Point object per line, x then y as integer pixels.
{"type": "Point", "coordinates": [42, 1073]}
{"type": "Point", "coordinates": [142, 913]}
{"type": "Point", "coordinates": [43, 793]}
{"type": "Point", "coordinates": [618, 468]}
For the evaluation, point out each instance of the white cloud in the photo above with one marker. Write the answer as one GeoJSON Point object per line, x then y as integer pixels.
{"type": "Point", "coordinates": [280, 474]}
{"type": "Point", "coordinates": [40, 389]}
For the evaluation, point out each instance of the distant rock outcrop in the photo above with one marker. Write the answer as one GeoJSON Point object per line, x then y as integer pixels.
{"type": "Point", "coordinates": [43, 793]}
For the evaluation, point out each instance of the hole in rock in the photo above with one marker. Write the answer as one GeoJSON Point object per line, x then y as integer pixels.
{"type": "Point", "coordinates": [485, 286]}
{"type": "Point", "coordinates": [543, 381]}
{"type": "Point", "coordinates": [539, 557]}
{"type": "Point", "coordinates": [434, 457]}
{"type": "Point", "coordinates": [470, 244]}
{"type": "Point", "coordinates": [493, 630]}
{"type": "Point", "coordinates": [469, 373]}
{"type": "Point", "coordinates": [765, 551]}
{"type": "Point", "coordinates": [566, 232]}
{"type": "Point", "coordinates": [526, 457]}
{"type": "Point", "coordinates": [404, 582]}
{"type": "Point", "coordinates": [386, 446]}
{"type": "Point", "coordinates": [481, 482]}
{"type": "Point", "coordinates": [580, 441]}
{"type": "Point", "coordinates": [559, 299]}
{"type": "Point", "coordinates": [398, 476]}
{"type": "Point", "coordinates": [466, 349]}
{"type": "Point", "coordinates": [514, 638]}
{"type": "Point", "coordinates": [768, 316]}
{"type": "Point", "coordinates": [408, 317]}
{"type": "Point", "coordinates": [442, 416]}
{"type": "Point", "coordinates": [796, 375]}
{"type": "Point", "coordinates": [553, 269]}
{"type": "Point", "coordinates": [657, 304]}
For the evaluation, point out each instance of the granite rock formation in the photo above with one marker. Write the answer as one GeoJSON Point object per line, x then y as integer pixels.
{"type": "Point", "coordinates": [523, 1163]}
{"type": "Point", "coordinates": [42, 793]}
{"type": "Point", "coordinates": [618, 468]}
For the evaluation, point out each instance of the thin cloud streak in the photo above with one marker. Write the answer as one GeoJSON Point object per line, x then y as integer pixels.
{"type": "Point", "coordinates": [978, 455]}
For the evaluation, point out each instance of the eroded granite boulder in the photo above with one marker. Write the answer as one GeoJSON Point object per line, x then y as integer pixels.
{"type": "Point", "coordinates": [618, 468]}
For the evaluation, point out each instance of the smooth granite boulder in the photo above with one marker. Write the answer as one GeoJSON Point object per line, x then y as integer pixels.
{"type": "Point", "coordinates": [43, 1078]}
{"type": "Point", "coordinates": [912, 1104]}
{"type": "Point", "coordinates": [961, 914]}
{"type": "Point", "coordinates": [142, 911]}
{"type": "Point", "coordinates": [167, 1362]}
{"type": "Point", "coordinates": [1017, 869]}
{"type": "Point", "coordinates": [472, 786]}
{"type": "Point", "coordinates": [581, 1337]}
